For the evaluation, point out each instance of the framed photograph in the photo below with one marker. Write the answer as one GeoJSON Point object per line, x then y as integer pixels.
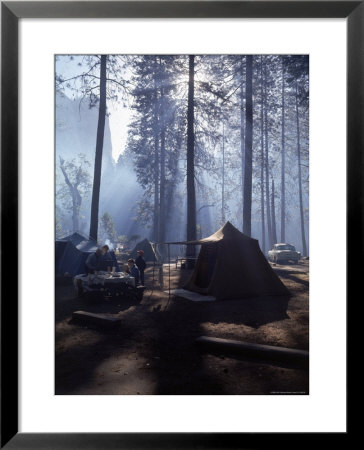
{"type": "Point", "coordinates": [197, 168]}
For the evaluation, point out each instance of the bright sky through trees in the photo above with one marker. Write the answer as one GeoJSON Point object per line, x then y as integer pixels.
{"type": "Point", "coordinates": [119, 117]}
{"type": "Point", "coordinates": [247, 126]}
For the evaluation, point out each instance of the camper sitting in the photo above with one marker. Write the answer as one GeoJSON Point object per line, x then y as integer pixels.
{"type": "Point", "coordinates": [133, 270]}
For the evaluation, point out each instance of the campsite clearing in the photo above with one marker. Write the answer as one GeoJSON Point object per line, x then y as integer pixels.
{"type": "Point", "coordinates": [153, 351]}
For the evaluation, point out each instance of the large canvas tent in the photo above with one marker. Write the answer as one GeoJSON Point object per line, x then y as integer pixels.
{"type": "Point", "coordinates": [147, 247]}
{"type": "Point", "coordinates": [231, 265]}
{"type": "Point", "coordinates": [71, 254]}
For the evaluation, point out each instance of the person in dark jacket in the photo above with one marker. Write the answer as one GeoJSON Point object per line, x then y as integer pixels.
{"type": "Point", "coordinates": [107, 259]}
{"type": "Point", "coordinates": [94, 262]}
{"type": "Point", "coordinates": [133, 270]}
{"type": "Point", "coordinates": [141, 264]}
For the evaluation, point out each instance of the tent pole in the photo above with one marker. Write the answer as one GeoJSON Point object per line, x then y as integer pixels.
{"type": "Point", "coordinates": [169, 275]}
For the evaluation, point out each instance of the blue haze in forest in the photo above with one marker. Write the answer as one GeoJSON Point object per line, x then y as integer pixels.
{"type": "Point", "coordinates": [143, 181]}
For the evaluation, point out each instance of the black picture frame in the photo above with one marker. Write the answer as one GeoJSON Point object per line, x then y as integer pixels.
{"type": "Point", "coordinates": [11, 12]}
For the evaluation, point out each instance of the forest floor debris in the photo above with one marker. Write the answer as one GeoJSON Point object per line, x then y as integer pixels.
{"type": "Point", "coordinates": [153, 350]}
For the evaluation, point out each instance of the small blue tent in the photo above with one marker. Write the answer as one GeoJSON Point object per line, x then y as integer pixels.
{"type": "Point", "coordinates": [71, 253]}
{"type": "Point", "coordinates": [75, 238]}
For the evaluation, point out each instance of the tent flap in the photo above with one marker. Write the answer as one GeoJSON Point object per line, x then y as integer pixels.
{"type": "Point", "coordinates": [228, 231]}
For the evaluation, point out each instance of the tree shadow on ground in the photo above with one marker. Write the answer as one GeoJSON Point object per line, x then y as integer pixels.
{"type": "Point", "coordinates": [162, 332]}
{"type": "Point", "coordinates": [67, 302]}
{"type": "Point", "coordinates": [292, 277]}
{"type": "Point", "coordinates": [252, 312]}
{"type": "Point", "coordinates": [90, 347]}
{"type": "Point", "coordinates": [182, 368]}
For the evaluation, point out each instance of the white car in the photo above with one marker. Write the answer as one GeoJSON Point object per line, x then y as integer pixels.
{"type": "Point", "coordinates": [282, 253]}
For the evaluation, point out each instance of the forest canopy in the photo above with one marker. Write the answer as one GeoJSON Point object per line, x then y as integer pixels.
{"type": "Point", "coordinates": [170, 147]}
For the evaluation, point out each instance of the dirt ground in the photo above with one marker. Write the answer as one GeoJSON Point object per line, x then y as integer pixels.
{"type": "Point", "coordinates": [153, 351]}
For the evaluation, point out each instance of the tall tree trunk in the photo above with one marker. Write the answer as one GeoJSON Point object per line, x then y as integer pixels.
{"type": "Point", "coordinates": [170, 193]}
{"type": "Point", "coordinates": [156, 190]}
{"type": "Point", "coordinates": [75, 216]}
{"type": "Point", "coordinates": [269, 222]}
{"type": "Point", "coordinates": [242, 132]}
{"type": "Point", "coordinates": [274, 227]}
{"type": "Point", "coordinates": [76, 205]}
{"type": "Point", "coordinates": [191, 193]}
{"type": "Point", "coordinates": [223, 220]}
{"type": "Point", "coordinates": [283, 165]}
{"type": "Point", "coordinates": [262, 157]}
{"type": "Point", "coordinates": [156, 158]}
{"type": "Point", "coordinates": [162, 193]}
{"type": "Point", "coordinates": [76, 198]}
{"type": "Point", "coordinates": [304, 246]}
{"type": "Point", "coordinates": [247, 206]}
{"type": "Point", "coordinates": [173, 231]}
{"type": "Point", "coordinates": [94, 224]}
{"type": "Point", "coordinates": [162, 187]}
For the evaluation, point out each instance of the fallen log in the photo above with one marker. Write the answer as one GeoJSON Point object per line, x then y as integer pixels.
{"type": "Point", "coordinates": [95, 319]}
{"type": "Point", "coordinates": [268, 352]}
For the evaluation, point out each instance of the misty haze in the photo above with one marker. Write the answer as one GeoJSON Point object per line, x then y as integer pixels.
{"type": "Point", "coordinates": [182, 224]}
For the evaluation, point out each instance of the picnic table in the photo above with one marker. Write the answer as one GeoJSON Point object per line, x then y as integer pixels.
{"type": "Point", "coordinates": [108, 285]}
